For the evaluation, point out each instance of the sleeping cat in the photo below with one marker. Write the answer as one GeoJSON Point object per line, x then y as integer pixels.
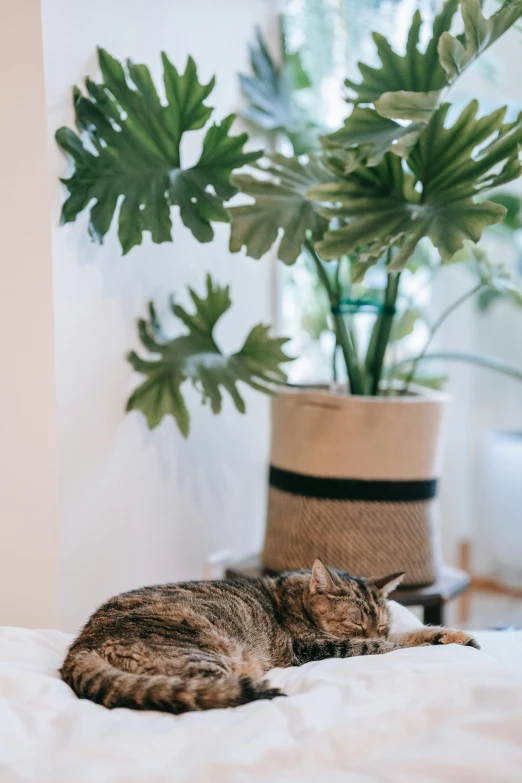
{"type": "Point", "coordinates": [199, 645]}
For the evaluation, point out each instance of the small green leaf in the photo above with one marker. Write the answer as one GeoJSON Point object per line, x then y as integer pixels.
{"type": "Point", "coordinates": [294, 67]}
{"type": "Point", "coordinates": [404, 324]}
{"type": "Point", "coordinates": [430, 375]}
{"type": "Point", "coordinates": [513, 204]}
{"type": "Point", "coordinates": [497, 280]}
{"type": "Point", "coordinates": [195, 356]}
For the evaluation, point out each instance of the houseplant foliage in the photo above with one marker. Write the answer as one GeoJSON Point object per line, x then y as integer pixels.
{"type": "Point", "coordinates": [271, 97]}
{"type": "Point", "coordinates": [405, 169]}
{"type": "Point", "coordinates": [129, 144]}
{"type": "Point", "coordinates": [400, 171]}
{"type": "Point", "coordinates": [195, 356]}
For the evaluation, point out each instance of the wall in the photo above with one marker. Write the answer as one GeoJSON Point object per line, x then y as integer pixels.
{"type": "Point", "coordinates": [138, 506]}
{"type": "Point", "coordinates": [28, 447]}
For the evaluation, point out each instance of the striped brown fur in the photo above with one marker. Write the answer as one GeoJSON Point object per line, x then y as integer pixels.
{"type": "Point", "coordinates": [200, 645]}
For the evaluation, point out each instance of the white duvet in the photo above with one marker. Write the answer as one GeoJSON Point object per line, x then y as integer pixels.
{"type": "Point", "coordinates": [450, 714]}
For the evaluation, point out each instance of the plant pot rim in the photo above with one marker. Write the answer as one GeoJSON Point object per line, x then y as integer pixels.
{"type": "Point", "coordinates": [418, 394]}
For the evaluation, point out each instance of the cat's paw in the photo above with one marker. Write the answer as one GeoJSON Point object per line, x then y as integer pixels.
{"type": "Point", "coordinates": [255, 691]}
{"type": "Point", "coordinates": [448, 636]}
{"type": "Point", "coordinates": [268, 693]}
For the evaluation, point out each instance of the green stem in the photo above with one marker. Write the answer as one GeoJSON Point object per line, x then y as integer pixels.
{"type": "Point", "coordinates": [383, 330]}
{"type": "Point", "coordinates": [343, 336]}
{"type": "Point", "coordinates": [487, 362]}
{"type": "Point", "coordinates": [350, 357]}
{"type": "Point", "coordinates": [435, 328]}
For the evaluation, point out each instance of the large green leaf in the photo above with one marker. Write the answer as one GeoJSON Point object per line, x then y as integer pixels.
{"type": "Point", "coordinates": [414, 72]}
{"type": "Point", "coordinates": [386, 207]}
{"type": "Point", "coordinates": [479, 33]}
{"type": "Point", "coordinates": [280, 203]}
{"type": "Point", "coordinates": [195, 356]}
{"type": "Point", "coordinates": [129, 146]}
{"type": "Point", "coordinates": [374, 202]}
{"type": "Point", "coordinates": [270, 95]}
{"type": "Point", "coordinates": [405, 87]}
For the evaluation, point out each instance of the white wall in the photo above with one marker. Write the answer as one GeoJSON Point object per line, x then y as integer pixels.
{"type": "Point", "coordinates": [28, 446]}
{"type": "Point", "coordinates": [137, 506]}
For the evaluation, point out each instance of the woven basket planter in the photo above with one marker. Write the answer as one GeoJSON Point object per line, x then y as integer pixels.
{"type": "Point", "coordinates": [353, 481]}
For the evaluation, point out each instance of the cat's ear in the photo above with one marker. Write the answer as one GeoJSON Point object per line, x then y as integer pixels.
{"type": "Point", "coordinates": [322, 580]}
{"type": "Point", "coordinates": [387, 584]}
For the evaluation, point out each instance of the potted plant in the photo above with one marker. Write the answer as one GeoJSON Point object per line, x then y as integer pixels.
{"type": "Point", "coordinates": [354, 474]}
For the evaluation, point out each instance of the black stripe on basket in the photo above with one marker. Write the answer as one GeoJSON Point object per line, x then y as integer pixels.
{"type": "Point", "coordinates": [351, 489]}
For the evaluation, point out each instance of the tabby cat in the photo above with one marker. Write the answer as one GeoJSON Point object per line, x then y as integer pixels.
{"type": "Point", "coordinates": [199, 645]}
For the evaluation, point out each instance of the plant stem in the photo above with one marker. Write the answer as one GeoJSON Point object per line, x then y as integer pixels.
{"type": "Point", "coordinates": [383, 329]}
{"type": "Point", "coordinates": [343, 336]}
{"type": "Point", "coordinates": [487, 362]}
{"type": "Point", "coordinates": [435, 328]}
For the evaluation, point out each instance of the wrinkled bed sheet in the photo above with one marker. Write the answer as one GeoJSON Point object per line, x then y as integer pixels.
{"type": "Point", "coordinates": [450, 714]}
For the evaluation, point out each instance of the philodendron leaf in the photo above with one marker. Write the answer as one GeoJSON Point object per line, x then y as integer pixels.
{"type": "Point", "coordinates": [497, 280]}
{"type": "Point", "coordinates": [479, 33]}
{"type": "Point", "coordinates": [414, 72]}
{"type": "Point", "coordinates": [370, 135]}
{"type": "Point", "coordinates": [386, 207]}
{"type": "Point", "coordinates": [403, 105]}
{"type": "Point", "coordinates": [280, 203]}
{"type": "Point", "coordinates": [405, 87]}
{"type": "Point", "coordinates": [513, 204]}
{"type": "Point", "coordinates": [405, 323]}
{"type": "Point", "coordinates": [270, 93]}
{"type": "Point", "coordinates": [409, 87]}
{"type": "Point", "coordinates": [195, 356]}
{"type": "Point", "coordinates": [132, 150]}
{"type": "Point", "coordinates": [374, 203]}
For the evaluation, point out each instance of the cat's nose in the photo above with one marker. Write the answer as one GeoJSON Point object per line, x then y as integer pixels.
{"type": "Point", "coordinates": [371, 633]}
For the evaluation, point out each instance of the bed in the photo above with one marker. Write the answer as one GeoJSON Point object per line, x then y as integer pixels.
{"type": "Point", "coordinates": [450, 714]}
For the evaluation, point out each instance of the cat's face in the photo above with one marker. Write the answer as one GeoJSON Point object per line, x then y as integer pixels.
{"type": "Point", "coordinates": [344, 606]}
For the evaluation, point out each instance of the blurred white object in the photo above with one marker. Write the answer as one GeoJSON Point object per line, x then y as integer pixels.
{"type": "Point", "coordinates": [216, 563]}
{"type": "Point", "coordinates": [501, 490]}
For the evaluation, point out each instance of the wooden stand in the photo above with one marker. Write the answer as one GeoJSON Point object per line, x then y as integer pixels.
{"type": "Point", "coordinates": [451, 583]}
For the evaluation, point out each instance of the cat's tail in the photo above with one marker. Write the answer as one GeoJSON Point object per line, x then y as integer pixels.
{"type": "Point", "coordinates": [92, 677]}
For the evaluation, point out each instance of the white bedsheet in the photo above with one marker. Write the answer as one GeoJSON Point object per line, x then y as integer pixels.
{"type": "Point", "coordinates": [450, 714]}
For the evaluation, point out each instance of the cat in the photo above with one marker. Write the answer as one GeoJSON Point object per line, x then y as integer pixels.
{"type": "Point", "coordinates": [201, 645]}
